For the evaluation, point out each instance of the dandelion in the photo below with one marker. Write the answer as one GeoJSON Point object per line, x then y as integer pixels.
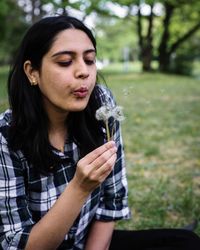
{"type": "Point", "coordinates": [106, 112]}
{"type": "Point", "coordinates": [118, 113]}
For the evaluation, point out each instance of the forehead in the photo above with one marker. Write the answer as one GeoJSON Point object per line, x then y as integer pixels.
{"type": "Point", "coordinates": [71, 39]}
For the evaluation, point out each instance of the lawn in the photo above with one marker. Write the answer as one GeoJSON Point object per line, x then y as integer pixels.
{"type": "Point", "coordinates": [162, 145]}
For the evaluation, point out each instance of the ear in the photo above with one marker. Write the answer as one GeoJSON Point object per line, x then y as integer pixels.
{"type": "Point", "coordinates": [31, 73]}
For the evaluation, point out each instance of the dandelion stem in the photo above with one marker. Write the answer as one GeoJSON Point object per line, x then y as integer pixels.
{"type": "Point", "coordinates": [107, 130]}
{"type": "Point", "coordinates": [113, 130]}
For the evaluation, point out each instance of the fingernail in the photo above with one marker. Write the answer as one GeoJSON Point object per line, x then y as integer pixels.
{"type": "Point", "coordinates": [112, 143]}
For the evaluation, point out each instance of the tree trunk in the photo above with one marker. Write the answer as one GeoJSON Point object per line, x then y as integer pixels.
{"type": "Point", "coordinates": [147, 49]}
{"type": "Point", "coordinates": [145, 43]}
{"type": "Point", "coordinates": [146, 58]}
{"type": "Point", "coordinates": [164, 55]}
{"type": "Point", "coordinates": [64, 5]}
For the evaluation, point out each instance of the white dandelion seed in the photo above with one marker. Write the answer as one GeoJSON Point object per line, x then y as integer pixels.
{"type": "Point", "coordinates": [105, 112]}
{"type": "Point", "coordinates": [117, 113]}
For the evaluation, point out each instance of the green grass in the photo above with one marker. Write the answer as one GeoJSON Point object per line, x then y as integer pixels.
{"type": "Point", "coordinates": [162, 144]}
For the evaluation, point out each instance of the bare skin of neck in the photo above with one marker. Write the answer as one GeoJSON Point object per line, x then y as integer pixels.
{"type": "Point", "coordinates": [57, 128]}
{"type": "Point", "coordinates": [57, 137]}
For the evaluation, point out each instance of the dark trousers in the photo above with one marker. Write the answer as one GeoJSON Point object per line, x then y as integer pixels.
{"type": "Point", "coordinates": [155, 239]}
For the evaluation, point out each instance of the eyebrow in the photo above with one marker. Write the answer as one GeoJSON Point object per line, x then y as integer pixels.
{"type": "Point", "coordinates": [69, 52]}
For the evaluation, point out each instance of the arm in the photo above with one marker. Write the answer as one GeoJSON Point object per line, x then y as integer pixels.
{"type": "Point", "coordinates": [114, 198]}
{"type": "Point", "coordinates": [50, 231]}
{"type": "Point", "coordinates": [113, 202]}
{"type": "Point", "coordinates": [100, 235]}
{"type": "Point", "coordinates": [15, 217]}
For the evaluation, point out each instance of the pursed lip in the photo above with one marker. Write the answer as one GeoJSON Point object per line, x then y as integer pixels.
{"type": "Point", "coordinates": [81, 92]}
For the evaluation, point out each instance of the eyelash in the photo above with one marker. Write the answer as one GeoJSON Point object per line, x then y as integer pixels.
{"type": "Point", "coordinates": [65, 64]}
{"type": "Point", "coordinates": [68, 63]}
{"type": "Point", "coordinates": [90, 62]}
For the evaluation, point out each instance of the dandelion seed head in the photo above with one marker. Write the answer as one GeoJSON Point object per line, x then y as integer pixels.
{"type": "Point", "coordinates": [103, 113]}
{"type": "Point", "coordinates": [107, 111]}
{"type": "Point", "coordinates": [117, 113]}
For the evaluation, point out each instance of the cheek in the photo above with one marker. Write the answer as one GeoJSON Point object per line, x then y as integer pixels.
{"type": "Point", "coordinates": [49, 87]}
{"type": "Point", "coordinates": [94, 76]}
{"type": "Point", "coordinates": [52, 81]}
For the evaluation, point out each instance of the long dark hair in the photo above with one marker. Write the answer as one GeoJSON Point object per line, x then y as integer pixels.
{"type": "Point", "coordinates": [29, 125]}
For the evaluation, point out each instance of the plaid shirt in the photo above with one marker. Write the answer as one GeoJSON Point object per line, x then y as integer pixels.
{"type": "Point", "coordinates": [26, 196]}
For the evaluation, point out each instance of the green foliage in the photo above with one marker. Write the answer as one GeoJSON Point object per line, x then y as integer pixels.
{"type": "Point", "coordinates": [85, 6]}
{"type": "Point", "coordinates": [183, 61]}
{"type": "Point", "coordinates": [184, 17]}
{"type": "Point", "coordinates": [113, 36]}
{"type": "Point", "coordinates": [12, 26]}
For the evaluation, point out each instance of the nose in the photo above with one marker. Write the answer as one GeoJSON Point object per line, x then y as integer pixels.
{"type": "Point", "coordinates": [81, 70]}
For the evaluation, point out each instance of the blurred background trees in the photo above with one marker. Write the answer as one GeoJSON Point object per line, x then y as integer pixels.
{"type": "Point", "coordinates": [163, 31]}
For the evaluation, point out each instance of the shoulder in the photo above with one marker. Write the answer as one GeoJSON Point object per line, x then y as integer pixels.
{"type": "Point", "coordinates": [8, 157]}
{"type": "Point", "coordinates": [5, 119]}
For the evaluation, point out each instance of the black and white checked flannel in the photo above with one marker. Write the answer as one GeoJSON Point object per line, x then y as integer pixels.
{"type": "Point", "coordinates": [26, 196]}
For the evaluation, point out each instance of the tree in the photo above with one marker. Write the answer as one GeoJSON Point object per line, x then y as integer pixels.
{"type": "Point", "coordinates": [160, 33]}
{"type": "Point", "coordinates": [184, 12]}
{"type": "Point", "coordinates": [25, 12]}
{"type": "Point", "coordinates": [144, 28]}
{"type": "Point", "coordinates": [36, 9]}
{"type": "Point", "coordinates": [145, 41]}
{"type": "Point", "coordinates": [172, 14]}
{"type": "Point", "coordinates": [12, 26]}
{"type": "Point", "coordinates": [114, 36]}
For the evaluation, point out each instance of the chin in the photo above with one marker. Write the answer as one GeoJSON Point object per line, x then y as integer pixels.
{"type": "Point", "coordinates": [78, 108]}
{"type": "Point", "coordinates": [77, 105]}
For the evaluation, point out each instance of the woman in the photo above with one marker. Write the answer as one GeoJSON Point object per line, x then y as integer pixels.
{"type": "Point", "coordinates": [62, 184]}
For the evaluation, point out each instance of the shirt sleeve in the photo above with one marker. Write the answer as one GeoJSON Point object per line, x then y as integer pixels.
{"type": "Point", "coordinates": [15, 217]}
{"type": "Point", "coordinates": [114, 197]}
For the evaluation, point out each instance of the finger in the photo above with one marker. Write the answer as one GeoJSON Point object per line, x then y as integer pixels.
{"type": "Point", "coordinates": [89, 158]}
{"type": "Point", "coordinates": [106, 169]}
{"type": "Point", "coordinates": [102, 159]}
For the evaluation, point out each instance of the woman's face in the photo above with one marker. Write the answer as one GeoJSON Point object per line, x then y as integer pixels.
{"type": "Point", "coordinates": [68, 72]}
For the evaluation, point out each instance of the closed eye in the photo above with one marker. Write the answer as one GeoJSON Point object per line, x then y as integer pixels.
{"type": "Point", "coordinates": [89, 62]}
{"type": "Point", "coordinates": [65, 64]}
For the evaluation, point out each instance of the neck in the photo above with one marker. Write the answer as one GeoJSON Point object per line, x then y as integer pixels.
{"type": "Point", "coordinates": [58, 132]}
{"type": "Point", "coordinates": [57, 127]}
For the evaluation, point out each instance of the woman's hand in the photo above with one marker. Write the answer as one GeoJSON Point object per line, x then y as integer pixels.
{"type": "Point", "coordinates": [95, 167]}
